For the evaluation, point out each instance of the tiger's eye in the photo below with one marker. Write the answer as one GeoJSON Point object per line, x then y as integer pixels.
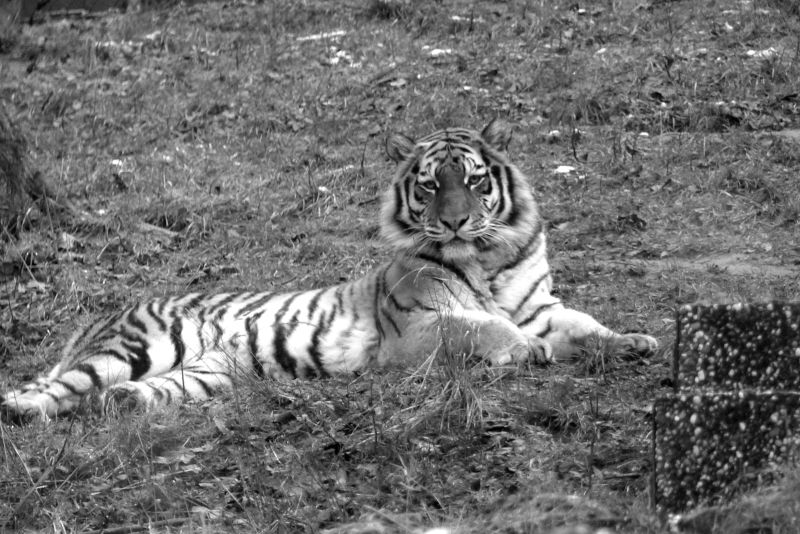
{"type": "Point", "coordinates": [426, 187]}
{"type": "Point", "coordinates": [475, 179]}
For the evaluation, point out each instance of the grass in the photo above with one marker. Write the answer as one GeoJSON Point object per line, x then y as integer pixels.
{"type": "Point", "coordinates": [215, 150]}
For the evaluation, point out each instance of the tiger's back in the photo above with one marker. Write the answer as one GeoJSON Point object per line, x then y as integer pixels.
{"type": "Point", "coordinates": [470, 273]}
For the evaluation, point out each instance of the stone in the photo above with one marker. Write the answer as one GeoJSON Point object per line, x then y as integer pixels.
{"type": "Point", "coordinates": [711, 446]}
{"type": "Point", "coordinates": [735, 411]}
{"type": "Point", "coordinates": [738, 346]}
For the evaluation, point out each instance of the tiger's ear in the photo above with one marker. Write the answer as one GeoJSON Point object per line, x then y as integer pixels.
{"type": "Point", "coordinates": [399, 147]}
{"type": "Point", "coordinates": [497, 134]}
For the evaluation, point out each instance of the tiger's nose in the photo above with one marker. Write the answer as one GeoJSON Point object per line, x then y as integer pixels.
{"type": "Point", "coordinates": [454, 223]}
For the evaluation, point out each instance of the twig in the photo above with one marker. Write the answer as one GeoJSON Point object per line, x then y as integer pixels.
{"type": "Point", "coordinates": [146, 227]}
{"type": "Point", "coordinates": [138, 527]}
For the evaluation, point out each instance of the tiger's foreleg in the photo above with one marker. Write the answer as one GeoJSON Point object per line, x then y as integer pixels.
{"type": "Point", "coordinates": [571, 333]}
{"type": "Point", "coordinates": [477, 332]}
{"type": "Point", "coordinates": [493, 337]}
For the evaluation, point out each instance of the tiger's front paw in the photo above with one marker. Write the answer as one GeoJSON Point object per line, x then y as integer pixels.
{"type": "Point", "coordinates": [536, 350]}
{"type": "Point", "coordinates": [540, 351]}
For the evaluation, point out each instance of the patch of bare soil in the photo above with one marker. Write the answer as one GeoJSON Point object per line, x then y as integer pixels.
{"type": "Point", "coordinates": [793, 135]}
{"type": "Point", "coordinates": [734, 264]}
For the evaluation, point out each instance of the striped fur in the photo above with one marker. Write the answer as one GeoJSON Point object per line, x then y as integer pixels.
{"type": "Point", "coordinates": [470, 273]}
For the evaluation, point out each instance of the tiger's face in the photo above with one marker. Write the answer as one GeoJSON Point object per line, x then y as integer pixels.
{"type": "Point", "coordinates": [455, 192]}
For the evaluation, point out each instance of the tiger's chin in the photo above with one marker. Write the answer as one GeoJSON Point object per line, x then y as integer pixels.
{"type": "Point", "coordinates": [457, 250]}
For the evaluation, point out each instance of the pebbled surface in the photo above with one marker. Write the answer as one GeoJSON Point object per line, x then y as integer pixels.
{"type": "Point", "coordinates": [736, 407]}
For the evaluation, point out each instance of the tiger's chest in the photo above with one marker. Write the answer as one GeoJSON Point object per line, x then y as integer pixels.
{"type": "Point", "coordinates": [524, 279]}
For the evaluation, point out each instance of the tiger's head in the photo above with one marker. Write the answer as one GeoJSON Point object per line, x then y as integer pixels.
{"type": "Point", "coordinates": [456, 195]}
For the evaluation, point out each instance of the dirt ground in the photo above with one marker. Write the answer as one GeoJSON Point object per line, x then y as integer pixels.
{"type": "Point", "coordinates": [239, 145]}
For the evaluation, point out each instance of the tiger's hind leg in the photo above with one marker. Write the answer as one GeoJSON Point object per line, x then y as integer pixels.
{"type": "Point", "coordinates": [167, 388]}
{"type": "Point", "coordinates": [62, 391]}
{"type": "Point", "coordinates": [571, 333]}
{"type": "Point", "coordinates": [46, 398]}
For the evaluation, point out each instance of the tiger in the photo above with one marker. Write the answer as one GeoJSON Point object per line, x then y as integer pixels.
{"type": "Point", "coordinates": [469, 274]}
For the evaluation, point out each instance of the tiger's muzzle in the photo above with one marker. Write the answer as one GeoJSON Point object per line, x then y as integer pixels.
{"type": "Point", "coordinates": [454, 203]}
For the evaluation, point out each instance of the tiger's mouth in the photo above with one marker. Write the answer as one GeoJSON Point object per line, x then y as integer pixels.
{"type": "Point", "coordinates": [452, 239]}
{"type": "Point", "coordinates": [455, 239]}
{"type": "Point", "coordinates": [462, 247]}
{"type": "Point", "coordinates": [463, 237]}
